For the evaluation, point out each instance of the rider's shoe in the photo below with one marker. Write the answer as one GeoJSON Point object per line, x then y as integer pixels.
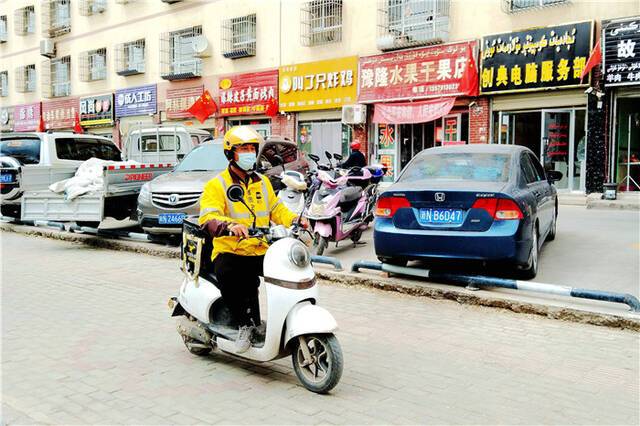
{"type": "Point", "coordinates": [243, 342]}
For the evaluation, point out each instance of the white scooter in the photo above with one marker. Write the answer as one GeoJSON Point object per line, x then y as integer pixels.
{"type": "Point", "coordinates": [295, 324]}
{"type": "Point", "coordinates": [295, 187]}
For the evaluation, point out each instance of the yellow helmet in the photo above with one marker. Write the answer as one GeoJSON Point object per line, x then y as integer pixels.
{"type": "Point", "coordinates": [240, 135]}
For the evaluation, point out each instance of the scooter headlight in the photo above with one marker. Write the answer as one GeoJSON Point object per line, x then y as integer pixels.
{"type": "Point", "coordinates": [299, 255]}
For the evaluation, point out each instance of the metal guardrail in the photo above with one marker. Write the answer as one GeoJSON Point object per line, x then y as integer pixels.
{"type": "Point", "coordinates": [111, 233]}
{"type": "Point", "coordinates": [328, 261]}
{"type": "Point", "coordinates": [474, 282]}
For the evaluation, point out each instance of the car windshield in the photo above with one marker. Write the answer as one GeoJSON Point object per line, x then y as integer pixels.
{"type": "Point", "coordinates": [207, 157]}
{"type": "Point", "coordinates": [484, 167]}
{"type": "Point", "coordinates": [25, 150]}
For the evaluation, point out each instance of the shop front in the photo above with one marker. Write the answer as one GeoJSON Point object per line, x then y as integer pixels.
{"type": "Point", "coordinates": [135, 107]}
{"type": "Point", "coordinates": [60, 114]}
{"type": "Point", "coordinates": [524, 72]}
{"type": "Point", "coordinates": [96, 114]}
{"type": "Point", "coordinates": [317, 91]}
{"type": "Point", "coordinates": [621, 52]}
{"type": "Point", "coordinates": [244, 99]}
{"type": "Point", "coordinates": [176, 104]}
{"type": "Point", "coordinates": [420, 99]}
{"type": "Point", "coordinates": [26, 117]}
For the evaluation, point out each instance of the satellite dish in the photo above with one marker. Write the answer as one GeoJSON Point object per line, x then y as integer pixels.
{"type": "Point", "coordinates": [200, 46]}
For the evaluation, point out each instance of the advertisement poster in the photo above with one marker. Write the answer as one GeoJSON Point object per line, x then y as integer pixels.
{"type": "Point", "coordinates": [304, 137]}
{"type": "Point", "coordinates": [247, 94]}
{"type": "Point", "coordinates": [60, 114]}
{"type": "Point", "coordinates": [178, 101]}
{"type": "Point", "coordinates": [418, 73]}
{"type": "Point", "coordinates": [539, 58]}
{"type": "Point", "coordinates": [621, 52]}
{"type": "Point", "coordinates": [141, 100]}
{"type": "Point", "coordinates": [96, 110]}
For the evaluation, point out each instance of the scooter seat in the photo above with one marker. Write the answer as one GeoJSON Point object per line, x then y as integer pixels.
{"type": "Point", "coordinates": [350, 194]}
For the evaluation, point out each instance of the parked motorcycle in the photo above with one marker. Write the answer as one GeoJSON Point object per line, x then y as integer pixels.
{"type": "Point", "coordinates": [294, 189]}
{"type": "Point", "coordinates": [295, 324]}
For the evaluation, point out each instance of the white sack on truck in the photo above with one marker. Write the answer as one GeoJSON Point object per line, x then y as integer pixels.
{"type": "Point", "coordinates": [88, 178]}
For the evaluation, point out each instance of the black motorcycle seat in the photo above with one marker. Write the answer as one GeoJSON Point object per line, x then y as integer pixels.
{"type": "Point", "coordinates": [350, 194]}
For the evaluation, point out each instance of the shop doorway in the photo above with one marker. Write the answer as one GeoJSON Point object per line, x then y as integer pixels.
{"type": "Point", "coordinates": [316, 137]}
{"type": "Point", "coordinates": [628, 140]}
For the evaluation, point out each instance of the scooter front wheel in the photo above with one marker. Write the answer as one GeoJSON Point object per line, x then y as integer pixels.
{"type": "Point", "coordinates": [320, 244]}
{"type": "Point", "coordinates": [321, 368]}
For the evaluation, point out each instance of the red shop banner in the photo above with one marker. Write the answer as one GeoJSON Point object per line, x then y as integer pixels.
{"type": "Point", "coordinates": [412, 112]}
{"type": "Point", "coordinates": [60, 114]}
{"type": "Point", "coordinates": [26, 117]}
{"type": "Point", "coordinates": [244, 94]}
{"type": "Point", "coordinates": [418, 73]}
{"type": "Point", "coordinates": [178, 101]}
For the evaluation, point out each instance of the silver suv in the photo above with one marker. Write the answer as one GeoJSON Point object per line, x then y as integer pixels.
{"type": "Point", "coordinates": [164, 202]}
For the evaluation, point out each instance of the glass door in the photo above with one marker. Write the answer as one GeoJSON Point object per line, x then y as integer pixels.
{"type": "Point", "coordinates": [556, 149]}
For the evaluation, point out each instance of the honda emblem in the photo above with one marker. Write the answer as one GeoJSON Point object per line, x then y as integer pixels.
{"type": "Point", "coordinates": [439, 196]}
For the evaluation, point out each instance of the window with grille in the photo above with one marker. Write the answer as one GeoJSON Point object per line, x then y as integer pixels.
{"type": "Point", "coordinates": [56, 77]}
{"type": "Point", "coordinates": [513, 6]}
{"type": "Point", "coordinates": [321, 22]}
{"type": "Point", "coordinates": [130, 57]}
{"type": "Point", "coordinates": [92, 7]}
{"type": "Point", "coordinates": [3, 28]}
{"type": "Point", "coordinates": [239, 37]}
{"type": "Point", "coordinates": [4, 83]}
{"type": "Point", "coordinates": [93, 65]}
{"type": "Point", "coordinates": [25, 21]}
{"type": "Point", "coordinates": [26, 78]}
{"type": "Point", "coordinates": [407, 23]}
{"type": "Point", "coordinates": [56, 17]}
{"type": "Point", "coordinates": [177, 57]}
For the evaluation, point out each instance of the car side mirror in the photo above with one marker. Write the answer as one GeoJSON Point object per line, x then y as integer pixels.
{"type": "Point", "coordinates": [235, 193]}
{"type": "Point", "coordinates": [554, 175]}
{"type": "Point", "coordinates": [337, 157]}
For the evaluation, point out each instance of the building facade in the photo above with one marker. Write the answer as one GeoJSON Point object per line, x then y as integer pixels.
{"type": "Point", "coordinates": [120, 63]}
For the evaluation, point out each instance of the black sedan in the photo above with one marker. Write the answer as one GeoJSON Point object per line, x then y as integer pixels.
{"type": "Point", "coordinates": [489, 203]}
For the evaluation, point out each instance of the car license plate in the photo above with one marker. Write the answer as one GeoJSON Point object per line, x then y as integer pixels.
{"type": "Point", "coordinates": [6, 178]}
{"type": "Point", "coordinates": [440, 216]}
{"type": "Point", "coordinates": [171, 218]}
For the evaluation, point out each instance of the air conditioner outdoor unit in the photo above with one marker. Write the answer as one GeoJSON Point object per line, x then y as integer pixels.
{"type": "Point", "coordinates": [354, 114]}
{"type": "Point", "coordinates": [201, 47]}
{"type": "Point", "coordinates": [48, 48]}
{"type": "Point", "coordinates": [386, 42]}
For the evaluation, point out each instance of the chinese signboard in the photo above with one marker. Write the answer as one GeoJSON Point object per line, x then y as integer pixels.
{"type": "Point", "coordinates": [60, 114]}
{"type": "Point", "coordinates": [96, 110]}
{"type": "Point", "coordinates": [318, 85]}
{"type": "Point", "coordinates": [621, 52]}
{"type": "Point", "coordinates": [419, 73]}
{"type": "Point", "coordinates": [387, 150]}
{"type": "Point", "coordinates": [245, 94]}
{"type": "Point", "coordinates": [26, 117]}
{"type": "Point", "coordinates": [412, 112]}
{"type": "Point", "coordinates": [540, 58]}
{"type": "Point", "coordinates": [180, 100]}
{"type": "Point", "coordinates": [141, 100]}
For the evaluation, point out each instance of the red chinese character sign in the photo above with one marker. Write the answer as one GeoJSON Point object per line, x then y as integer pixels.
{"type": "Point", "coordinates": [412, 112]}
{"type": "Point", "coordinates": [179, 101]}
{"type": "Point", "coordinates": [418, 73]}
{"type": "Point", "coordinates": [250, 93]}
{"type": "Point", "coordinates": [60, 114]}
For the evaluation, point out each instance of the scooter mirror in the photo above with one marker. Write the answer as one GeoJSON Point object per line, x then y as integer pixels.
{"type": "Point", "coordinates": [337, 157]}
{"type": "Point", "coordinates": [328, 155]}
{"type": "Point", "coordinates": [314, 157]}
{"type": "Point", "coordinates": [235, 193]}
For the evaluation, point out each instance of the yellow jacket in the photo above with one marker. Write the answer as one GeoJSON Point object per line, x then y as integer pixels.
{"type": "Point", "coordinates": [259, 195]}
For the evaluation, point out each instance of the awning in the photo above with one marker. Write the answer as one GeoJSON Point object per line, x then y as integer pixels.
{"type": "Point", "coordinates": [412, 112]}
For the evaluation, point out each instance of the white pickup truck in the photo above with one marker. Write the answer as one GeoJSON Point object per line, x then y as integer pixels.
{"type": "Point", "coordinates": [32, 161]}
{"type": "Point", "coordinates": [148, 143]}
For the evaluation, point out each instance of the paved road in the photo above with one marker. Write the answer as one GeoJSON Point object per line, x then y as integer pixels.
{"type": "Point", "coordinates": [86, 339]}
{"type": "Point", "coordinates": [598, 249]}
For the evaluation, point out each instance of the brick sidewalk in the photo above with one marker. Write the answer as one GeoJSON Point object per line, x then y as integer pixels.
{"type": "Point", "coordinates": [87, 339]}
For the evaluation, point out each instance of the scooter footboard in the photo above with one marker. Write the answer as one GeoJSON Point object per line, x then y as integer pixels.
{"type": "Point", "coordinates": [305, 318]}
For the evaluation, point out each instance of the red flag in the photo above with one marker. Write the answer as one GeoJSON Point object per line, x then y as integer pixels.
{"type": "Point", "coordinates": [203, 107]}
{"type": "Point", "coordinates": [77, 128]}
{"type": "Point", "coordinates": [594, 59]}
{"type": "Point", "coordinates": [272, 107]}
{"type": "Point", "coordinates": [469, 81]}
{"type": "Point", "coordinates": [41, 126]}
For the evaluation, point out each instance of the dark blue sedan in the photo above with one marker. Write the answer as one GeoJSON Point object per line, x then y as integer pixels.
{"type": "Point", "coordinates": [489, 203]}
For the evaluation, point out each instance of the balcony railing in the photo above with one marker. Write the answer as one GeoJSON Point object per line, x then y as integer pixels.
{"type": "Point", "coordinates": [321, 22]}
{"type": "Point", "coordinates": [239, 37]}
{"type": "Point", "coordinates": [515, 6]}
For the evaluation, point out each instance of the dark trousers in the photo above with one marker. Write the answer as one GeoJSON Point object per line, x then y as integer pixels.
{"type": "Point", "coordinates": [238, 281]}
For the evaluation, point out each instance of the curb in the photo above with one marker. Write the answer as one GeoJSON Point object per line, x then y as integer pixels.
{"type": "Point", "coordinates": [409, 287]}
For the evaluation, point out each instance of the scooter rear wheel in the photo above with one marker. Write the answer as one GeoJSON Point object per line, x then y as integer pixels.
{"type": "Point", "coordinates": [196, 350]}
{"type": "Point", "coordinates": [325, 370]}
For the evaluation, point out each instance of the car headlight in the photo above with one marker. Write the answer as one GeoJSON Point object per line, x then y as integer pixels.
{"type": "Point", "coordinates": [299, 255]}
{"type": "Point", "coordinates": [145, 192]}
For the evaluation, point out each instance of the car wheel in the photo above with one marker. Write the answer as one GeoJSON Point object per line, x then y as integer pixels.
{"type": "Point", "coordinates": [554, 223]}
{"type": "Point", "coordinates": [531, 270]}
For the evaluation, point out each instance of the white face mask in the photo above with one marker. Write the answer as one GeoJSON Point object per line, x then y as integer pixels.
{"type": "Point", "coordinates": [246, 160]}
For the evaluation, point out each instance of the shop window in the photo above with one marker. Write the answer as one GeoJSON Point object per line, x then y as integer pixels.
{"type": "Point", "coordinates": [321, 22]}
{"type": "Point", "coordinates": [514, 6]}
{"type": "Point", "coordinates": [26, 78]}
{"type": "Point", "coordinates": [130, 58]}
{"type": "Point", "coordinates": [407, 23]}
{"type": "Point", "coordinates": [239, 37]}
{"type": "Point", "coordinates": [92, 7]}
{"type": "Point", "coordinates": [4, 83]}
{"type": "Point", "coordinates": [178, 59]}
{"type": "Point", "coordinates": [3, 28]}
{"type": "Point", "coordinates": [56, 17]}
{"type": "Point", "coordinates": [93, 65]}
{"type": "Point", "coordinates": [24, 21]}
{"type": "Point", "coordinates": [628, 144]}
